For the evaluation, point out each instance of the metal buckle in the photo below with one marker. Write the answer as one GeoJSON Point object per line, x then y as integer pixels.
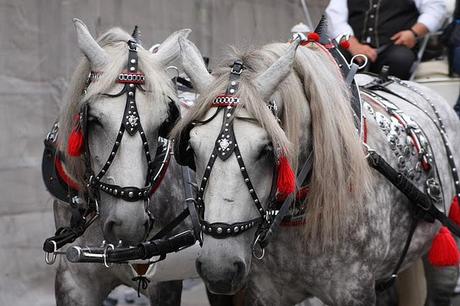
{"type": "Point", "coordinates": [237, 67]}
{"type": "Point", "coordinates": [132, 45]}
{"type": "Point", "coordinates": [368, 150]}
{"type": "Point", "coordinates": [52, 135]}
{"type": "Point", "coordinates": [433, 189]}
{"type": "Point", "coordinates": [273, 107]}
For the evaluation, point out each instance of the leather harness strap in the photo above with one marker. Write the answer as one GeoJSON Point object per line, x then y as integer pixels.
{"type": "Point", "coordinates": [226, 145]}
{"type": "Point", "coordinates": [284, 209]}
{"type": "Point", "coordinates": [67, 191]}
{"type": "Point", "coordinates": [423, 207]}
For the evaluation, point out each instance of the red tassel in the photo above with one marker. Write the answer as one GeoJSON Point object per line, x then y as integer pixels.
{"type": "Point", "coordinates": [345, 44]}
{"type": "Point", "coordinates": [454, 213]}
{"type": "Point", "coordinates": [286, 177]}
{"type": "Point", "coordinates": [75, 143]}
{"type": "Point", "coordinates": [313, 36]}
{"type": "Point", "coordinates": [444, 251]}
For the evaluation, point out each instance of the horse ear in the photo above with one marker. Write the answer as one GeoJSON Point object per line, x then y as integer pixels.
{"type": "Point", "coordinates": [321, 30]}
{"type": "Point", "coordinates": [194, 65]}
{"type": "Point", "coordinates": [169, 50]}
{"type": "Point", "coordinates": [268, 81]}
{"type": "Point", "coordinates": [88, 45]}
{"type": "Point", "coordinates": [137, 35]}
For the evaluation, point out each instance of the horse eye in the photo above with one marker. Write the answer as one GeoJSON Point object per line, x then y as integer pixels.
{"type": "Point", "coordinates": [94, 120]}
{"type": "Point", "coordinates": [266, 151]}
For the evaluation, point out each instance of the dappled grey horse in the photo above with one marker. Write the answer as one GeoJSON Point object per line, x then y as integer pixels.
{"type": "Point", "coordinates": [119, 102]}
{"type": "Point", "coordinates": [284, 105]}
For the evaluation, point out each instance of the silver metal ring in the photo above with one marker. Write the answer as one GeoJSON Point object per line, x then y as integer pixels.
{"type": "Point", "coordinates": [258, 254]}
{"type": "Point", "coordinates": [352, 61]}
{"type": "Point", "coordinates": [107, 247]}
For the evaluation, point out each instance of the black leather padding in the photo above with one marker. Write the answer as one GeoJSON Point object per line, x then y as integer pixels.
{"type": "Point", "coordinates": [173, 117]}
{"type": "Point", "coordinates": [183, 152]}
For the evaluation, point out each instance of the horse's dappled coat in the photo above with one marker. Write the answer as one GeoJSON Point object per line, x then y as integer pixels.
{"type": "Point", "coordinates": [356, 223]}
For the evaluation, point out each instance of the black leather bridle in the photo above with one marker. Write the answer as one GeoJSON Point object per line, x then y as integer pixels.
{"type": "Point", "coordinates": [225, 146]}
{"type": "Point", "coordinates": [131, 124]}
{"type": "Point", "coordinates": [82, 217]}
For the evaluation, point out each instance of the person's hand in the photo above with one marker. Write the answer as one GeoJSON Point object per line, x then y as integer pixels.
{"type": "Point", "coordinates": [358, 48]}
{"type": "Point", "coordinates": [405, 38]}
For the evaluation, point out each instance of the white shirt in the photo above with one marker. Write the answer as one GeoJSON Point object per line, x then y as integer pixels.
{"type": "Point", "coordinates": [432, 15]}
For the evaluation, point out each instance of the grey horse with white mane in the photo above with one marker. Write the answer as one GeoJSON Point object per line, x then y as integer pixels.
{"type": "Point", "coordinates": [120, 221]}
{"type": "Point", "coordinates": [354, 222]}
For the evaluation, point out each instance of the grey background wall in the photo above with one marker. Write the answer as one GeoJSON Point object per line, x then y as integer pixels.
{"type": "Point", "coordinates": [38, 53]}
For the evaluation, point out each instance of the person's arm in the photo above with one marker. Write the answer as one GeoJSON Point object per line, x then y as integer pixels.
{"type": "Point", "coordinates": [337, 18]}
{"type": "Point", "coordinates": [432, 15]}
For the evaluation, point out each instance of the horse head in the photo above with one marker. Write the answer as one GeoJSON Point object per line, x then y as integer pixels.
{"type": "Point", "coordinates": [251, 127]}
{"type": "Point", "coordinates": [236, 181]}
{"type": "Point", "coordinates": [118, 112]}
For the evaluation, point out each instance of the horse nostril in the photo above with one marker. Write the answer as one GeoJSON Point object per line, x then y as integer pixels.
{"type": "Point", "coordinates": [110, 224]}
{"type": "Point", "coordinates": [240, 269]}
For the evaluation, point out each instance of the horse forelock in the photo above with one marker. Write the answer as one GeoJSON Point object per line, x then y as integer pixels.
{"type": "Point", "coordinates": [157, 85]}
{"type": "Point", "coordinates": [255, 61]}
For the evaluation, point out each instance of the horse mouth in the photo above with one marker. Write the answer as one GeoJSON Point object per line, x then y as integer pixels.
{"type": "Point", "coordinates": [223, 287]}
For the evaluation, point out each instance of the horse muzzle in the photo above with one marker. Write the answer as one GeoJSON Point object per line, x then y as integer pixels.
{"type": "Point", "coordinates": [222, 277]}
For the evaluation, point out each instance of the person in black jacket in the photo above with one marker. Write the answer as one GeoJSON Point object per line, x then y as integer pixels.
{"type": "Point", "coordinates": [385, 31]}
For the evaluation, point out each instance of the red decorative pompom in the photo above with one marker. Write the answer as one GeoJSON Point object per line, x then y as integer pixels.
{"type": "Point", "coordinates": [345, 44]}
{"type": "Point", "coordinates": [75, 143]}
{"type": "Point", "coordinates": [454, 212]}
{"type": "Point", "coordinates": [286, 177]}
{"type": "Point", "coordinates": [444, 251]}
{"type": "Point", "coordinates": [313, 36]}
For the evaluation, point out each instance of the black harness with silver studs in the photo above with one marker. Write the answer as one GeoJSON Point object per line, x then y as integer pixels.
{"type": "Point", "coordinates": [132, 125]}
{"type": "Point", "coordinates": [224, 147]}
{"type": "Point", "coordinates": [59, 185]}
